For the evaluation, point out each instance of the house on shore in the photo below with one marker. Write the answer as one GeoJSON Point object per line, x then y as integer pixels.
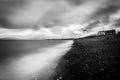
{"type": "Point", "coordinates": [107, 32]}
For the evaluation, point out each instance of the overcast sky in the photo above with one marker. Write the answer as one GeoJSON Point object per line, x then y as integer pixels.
{"type": "Point", "coordinates": [39, 19]}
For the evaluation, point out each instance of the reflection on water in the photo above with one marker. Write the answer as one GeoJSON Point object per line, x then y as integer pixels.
{"type": "Point", "coordinates": [24, 60]}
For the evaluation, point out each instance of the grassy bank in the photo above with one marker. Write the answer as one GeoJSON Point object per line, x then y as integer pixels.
{"type": "Point", "coordinates": [91, 58]}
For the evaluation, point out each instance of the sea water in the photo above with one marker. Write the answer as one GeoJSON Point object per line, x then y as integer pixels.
{"type": "Point", "coordinates": [32, 59]}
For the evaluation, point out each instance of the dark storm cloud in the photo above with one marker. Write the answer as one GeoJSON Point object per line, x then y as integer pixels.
{"type": "Point", "coordinates": [111, 7]}
{"type": "Point", "coordinates": [92, 25]}
{"type": "Point", "coordinates": [28, 15]}
{"type": "Point", "coordinates": [103, 16]}
{"type": "Point", "coordinates": [4, 22]}
{"type": "Point", "coordinates": [6, 8]}
{"type": "Point", "coordinates": [53, 17]}
{"type": "Point", "coordinates": [95, 23]}
{"type": "Point", "coordinates": [116, 23]}
{"type": "Point", "coordinates": [75, 2]}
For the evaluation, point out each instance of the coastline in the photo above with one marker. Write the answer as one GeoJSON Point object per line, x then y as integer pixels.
{"type": "Point", "coordinates": [95, 58]}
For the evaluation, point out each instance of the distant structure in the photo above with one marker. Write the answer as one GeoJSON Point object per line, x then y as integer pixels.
{"type": "Point", "coordinates": [107, 32]}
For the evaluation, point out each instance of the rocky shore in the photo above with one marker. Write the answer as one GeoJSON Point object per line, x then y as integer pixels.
{"type": "Point", "coordinates": [96, 58]}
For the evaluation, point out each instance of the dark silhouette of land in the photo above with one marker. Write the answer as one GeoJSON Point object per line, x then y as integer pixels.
{"type": "Point", "coordinates": [91, 58]}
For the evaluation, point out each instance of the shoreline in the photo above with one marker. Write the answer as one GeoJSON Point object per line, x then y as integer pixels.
{"type": "Point", "coordinates": [94, 58]}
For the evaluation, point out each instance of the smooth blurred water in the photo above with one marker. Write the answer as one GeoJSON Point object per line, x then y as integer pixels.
{"type": "Point", "coordinates": [24, 60]}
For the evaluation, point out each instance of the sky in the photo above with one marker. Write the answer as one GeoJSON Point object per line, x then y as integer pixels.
{"type": "Point", "coordinates": [43, 19]}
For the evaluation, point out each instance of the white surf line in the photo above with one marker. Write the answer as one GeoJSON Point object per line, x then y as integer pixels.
{"type": "Point", "coordinates": [40, 63]}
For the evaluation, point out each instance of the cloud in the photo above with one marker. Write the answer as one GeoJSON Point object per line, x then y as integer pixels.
{"type": "Point", "coordinates": [32, 13]}
{"type": "Point", "coordinates": [42, 33]}
{"type": "Point", "coordinates": [26, 34]}
{"type": "Point", "coordinates": [54, 13]}
{"type": "Point", "coordinates": [115, 19]}
{"type": "Point", "coordinates": [111, 7]}
{"type": "Point", "coordinates": [57, 18]}
{"type": "Point", "coordinates": [106, 18]}
{"type": "Point", "coordinates": [6, 8]}
{"type": "Point", "coordinates": [75, 2]}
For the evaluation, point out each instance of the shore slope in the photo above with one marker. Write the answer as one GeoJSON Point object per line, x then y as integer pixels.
{"type": "Point", "coordinates": [96, 58]}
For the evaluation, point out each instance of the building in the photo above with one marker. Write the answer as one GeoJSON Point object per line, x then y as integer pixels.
{"type": "Point", "coordinates": [107, 32]}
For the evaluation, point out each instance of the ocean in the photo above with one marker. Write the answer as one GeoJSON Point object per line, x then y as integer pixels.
{"type": "Point", "coordinates": [31, 59]}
